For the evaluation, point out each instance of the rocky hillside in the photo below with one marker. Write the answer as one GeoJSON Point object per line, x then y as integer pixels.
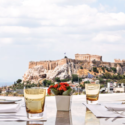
{"type": "Point", "coordinates": [39, 72]}
{"type": "Point", "coordinates": [66, 67]}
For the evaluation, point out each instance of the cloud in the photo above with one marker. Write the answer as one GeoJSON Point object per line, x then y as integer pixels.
{"type": "Point", "coordinates": [6, 40]}
{"type": "Point", "coordinates": [58, 2]}
{"type": "Point", "coordinates": [14, 31]}
{"type": "Point", "coordinates": [44, 23]}
{"type": "Point", "coordinates": [45, 29]}
{"type": "Point", "coordinates": [106, 8]}
{"type": "Point", "coordinates": [107, 38]}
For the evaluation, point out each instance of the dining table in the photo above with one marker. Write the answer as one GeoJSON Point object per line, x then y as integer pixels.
{"type": "Point", "coordinates": [78, 115]}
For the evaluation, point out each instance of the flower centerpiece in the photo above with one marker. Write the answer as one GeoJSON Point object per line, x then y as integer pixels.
{"type": "Point", "coordinates": [60, 89]}
{"type": "Point", "coordinates": [62, 92]}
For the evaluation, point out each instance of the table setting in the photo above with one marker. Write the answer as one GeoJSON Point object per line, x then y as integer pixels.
{"type": "Point", "coordinates": [81, 110]}
{"type": "Point", "coordinates": [16, 112]}
{"type": "Point", "coordinates": [16, 109]}
{"type": "Point", "coordinates": [105, 110]}
{"type": "Point", "coordinates": [111, 110]}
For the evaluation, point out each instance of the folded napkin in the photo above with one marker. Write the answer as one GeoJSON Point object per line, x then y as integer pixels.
{"type": "Point", "coordinates": [100, 111]}
{"type": "Point", "coordinates": [115, 107]}
{"type": "Point", "coordinates": [9, 107]}
{"type": "Point", "coordinates": [21, 115]}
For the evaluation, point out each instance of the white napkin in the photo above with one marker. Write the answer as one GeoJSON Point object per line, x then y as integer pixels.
{"type": "Point", "coordinates": [101, 111]}
{"type": "Point", "coordinates": [9, 107]}
{"type": "Point", "coordinates": [21, 115]}
{"type": "Point", "coordinates": [115, 107]}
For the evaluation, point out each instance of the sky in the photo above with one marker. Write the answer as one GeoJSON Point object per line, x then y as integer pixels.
{"type": "Point", "coordinates": [35, 30]}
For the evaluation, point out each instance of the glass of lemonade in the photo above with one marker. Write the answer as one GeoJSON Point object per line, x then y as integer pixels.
{"type": "Point", "coordinates": [35, 102]}
{"type": "Point", "coordinates": [92, 93]}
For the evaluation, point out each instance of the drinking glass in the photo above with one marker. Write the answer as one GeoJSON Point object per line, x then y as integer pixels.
{"type": "Point", "coordinates": [92, 93]}
{"type": "Point", "coordinates": [34, 101]}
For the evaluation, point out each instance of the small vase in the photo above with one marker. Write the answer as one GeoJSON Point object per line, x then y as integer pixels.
{"type": "Point", "coordinates": [63, 103]}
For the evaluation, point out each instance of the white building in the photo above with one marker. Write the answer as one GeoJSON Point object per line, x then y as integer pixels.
{"type": "Point", "coordinates": [87, 79]}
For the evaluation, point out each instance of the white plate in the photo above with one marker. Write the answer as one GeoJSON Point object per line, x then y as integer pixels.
{"type": "Point", "coordinates": [7, 101]}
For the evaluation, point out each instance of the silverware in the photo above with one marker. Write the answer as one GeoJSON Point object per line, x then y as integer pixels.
{"type": "Point", "coordinates": [114, 119]}
{"type": "Point", "coordinates": [116, 111]}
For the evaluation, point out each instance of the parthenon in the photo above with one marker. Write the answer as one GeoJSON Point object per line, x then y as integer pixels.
{"type": "Point", "coordinates": [88, 57]}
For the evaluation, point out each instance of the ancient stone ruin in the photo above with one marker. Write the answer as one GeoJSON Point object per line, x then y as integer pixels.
{"type": "Point", "coordinates": [88, 57]}
{"type": "Point", "coordinates": [64, 68]}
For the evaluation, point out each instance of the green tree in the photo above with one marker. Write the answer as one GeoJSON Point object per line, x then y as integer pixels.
{"type": "Point", "coordinates": [114, 69]}
{"type": "Point", "coordinates": [81, 67]}
{"type": "Point", "coordinates": [114, 77]}
{"type": "Point", "coordinates": [95, 70]}
{"type": "Point", "coordinates": [101, 86]}
{"type": "Point", "coordinates": [82, 86]}
{"type": "Point", "coordinates": [118, 77]}
{"type": "Point", "coordinates": [47, 83]}
{"type": "Point", "coordinates": [107, 75]}
{"type": "Point", "coordinates": [101, 80]}
{"type": "Point", "coordinates": [76, 78]}
{"type": "Point", "coordinates": [123, 77]}
{"type": "Point", "coordinates": [121, 81]}
{"type": "Point", "coordinates": [57, 79]}
{"type": "Point", "coordinates": [86, 82]}
{"type": "Point", "coordinates": [109, 70]}
{"type": "Point", "coordinates": [65, 80]}
{"type": "Point", "coordinates": [19, 81]}
{"type": "Point", "coordinates": [108, 80]}
{"type": "Point", "coordinates": [103, 69]}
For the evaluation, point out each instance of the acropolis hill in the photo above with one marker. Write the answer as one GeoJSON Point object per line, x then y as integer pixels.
{"type": "Point", "coordinates": [65, 67]}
